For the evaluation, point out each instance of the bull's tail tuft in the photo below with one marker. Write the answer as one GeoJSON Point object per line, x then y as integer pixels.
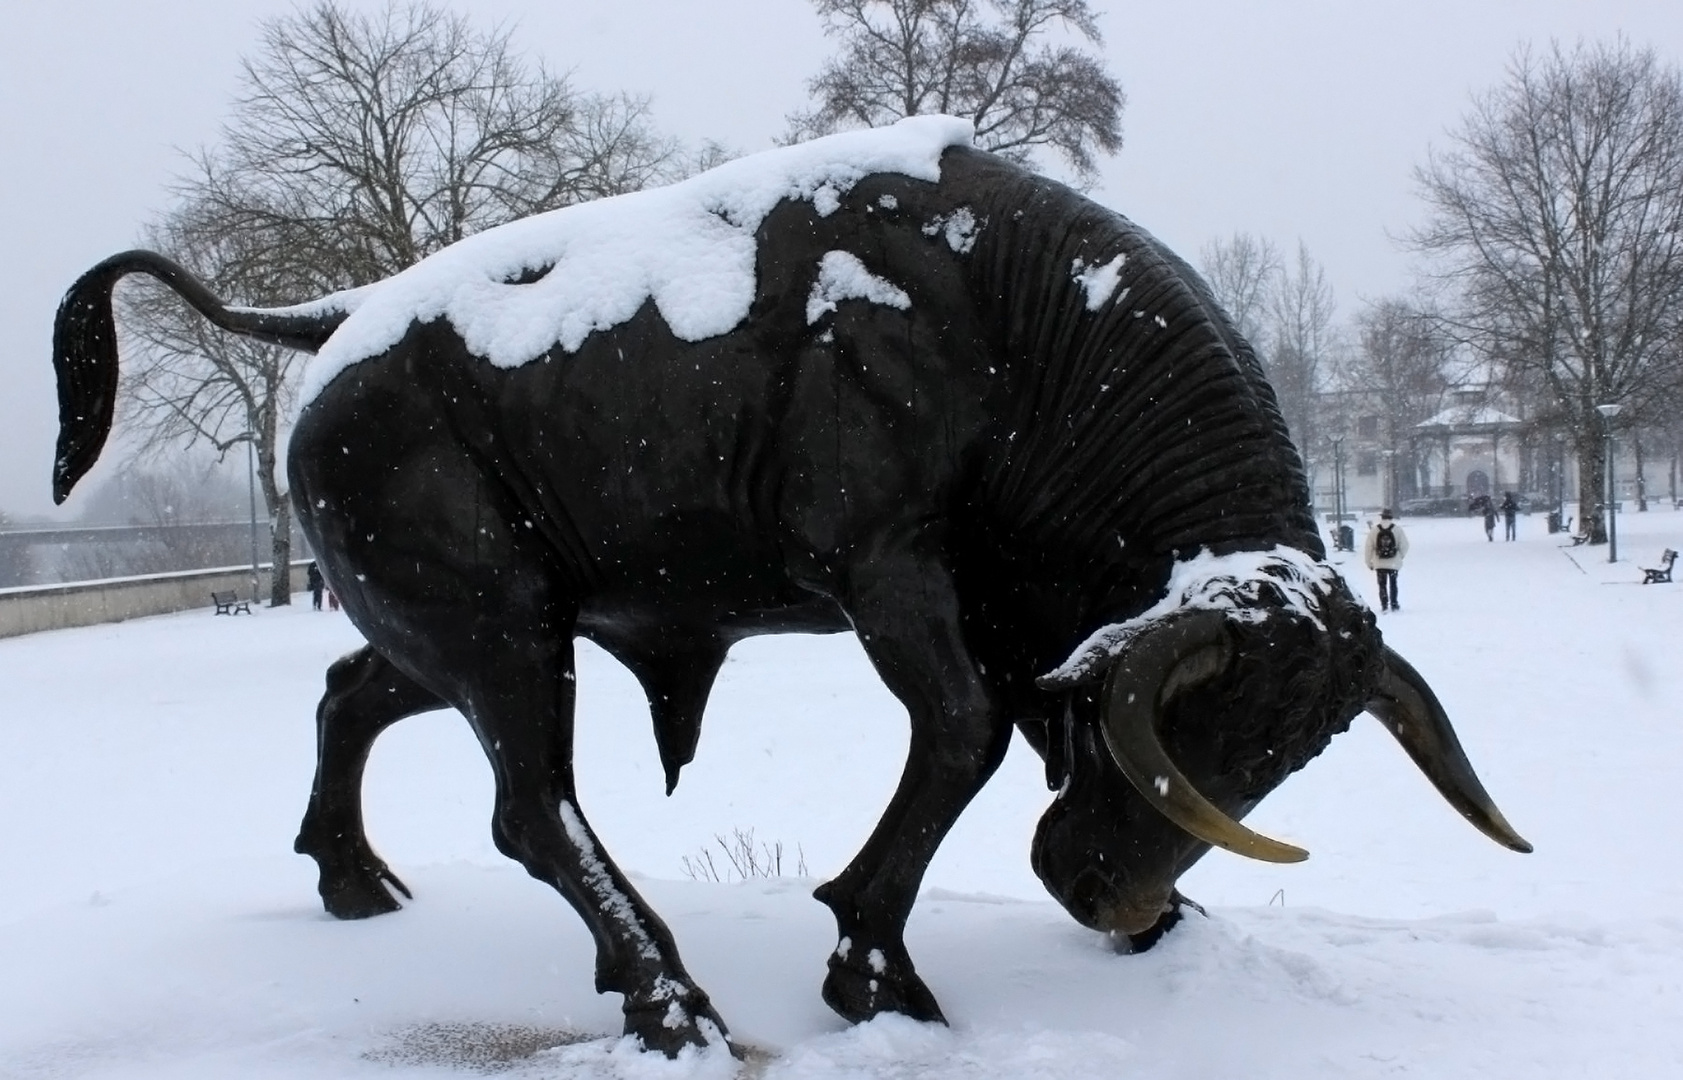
{"type": "Point", "coordinates": [85, 350]}
{"type": "Point", "coordinates": [85, 358]}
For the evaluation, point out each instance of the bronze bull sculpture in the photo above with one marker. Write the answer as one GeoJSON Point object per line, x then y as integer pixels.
{"type": "Point", "coordinates": [881, 382]}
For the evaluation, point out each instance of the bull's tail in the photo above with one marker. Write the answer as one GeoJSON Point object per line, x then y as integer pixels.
{"type": "Point", "coordinates": [85, 349]}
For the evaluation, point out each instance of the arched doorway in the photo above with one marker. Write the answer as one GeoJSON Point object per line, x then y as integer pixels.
{"type": "Point", "coordinates": [1478, 483]}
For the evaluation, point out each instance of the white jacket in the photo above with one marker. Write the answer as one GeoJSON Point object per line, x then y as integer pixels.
{"type": "Point", "coordinates": [1374, 562]}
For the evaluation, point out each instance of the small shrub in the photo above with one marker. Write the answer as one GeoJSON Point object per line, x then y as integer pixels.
{"type": "Point", "coordinates": [744, 859]}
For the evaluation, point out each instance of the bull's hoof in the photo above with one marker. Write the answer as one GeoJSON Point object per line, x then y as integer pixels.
{"type": "Point", "coordinates": [669, 1026]}
{"type": "Point", "coordinates": [361, 892]}
{"type": "Point", "coordinates": [858, 992]}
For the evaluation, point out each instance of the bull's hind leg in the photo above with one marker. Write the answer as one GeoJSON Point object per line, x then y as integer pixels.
{"type": "Point", "coordinates": [519, 696]}
{"type": "Point", "coordinates": [497, 646]}
{"type": "Point", "coordinates": [453, 579]}
{"type": "Point", "coordinates": [365, 695]}
{"type": "Point", "coordinates": [905, 609]}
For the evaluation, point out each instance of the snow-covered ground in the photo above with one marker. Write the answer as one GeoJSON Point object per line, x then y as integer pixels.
{"type": "Point", "coordinates": [155, 923]}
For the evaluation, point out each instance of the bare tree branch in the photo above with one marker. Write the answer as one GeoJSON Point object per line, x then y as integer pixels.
{"type": "Point", "coordinates": [902, 58]}
{"type": "Point", "coordinates": [1243, 271]}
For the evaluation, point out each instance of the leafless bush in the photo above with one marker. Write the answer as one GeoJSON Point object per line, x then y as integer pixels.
{"type": "Point", "coordinates": [744, 859]}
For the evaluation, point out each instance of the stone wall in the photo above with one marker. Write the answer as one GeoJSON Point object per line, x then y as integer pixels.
{"type": "Point", "coordinates": [31, 608]}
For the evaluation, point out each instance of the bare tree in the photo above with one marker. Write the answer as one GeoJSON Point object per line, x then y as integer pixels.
{"type": "Point", "coordinates": [1557, 214]}
{"type": "Point", "coordinates": [1299, 344]}
{"type": "Point", "coordinates": [194, 383]}
{"type": "Point", "coordinates": [359, 145]}
{"type": "Point", "coordinates": [1401, 363]}
{"type": "Point", "coordinates": [987, 60]}
{"type": "Point", "coordinates": [363, 143]}
{"type": "Point", "coordinates": [1287, 315]}
{"type": "Point", "coordinates": [1243, 272]}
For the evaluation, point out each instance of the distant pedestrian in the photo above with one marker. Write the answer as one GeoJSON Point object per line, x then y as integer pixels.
{"type": "Point", "coordinates": [1510, 511]}
{"type": "Point", "coordinates": [1384, 551]}
{"type": "Point", "coordinates": [1482, 504]}
{"type": "Point", "coordinates": [316, 583]}
{"type": "Point", "coordinates": [332, 601]}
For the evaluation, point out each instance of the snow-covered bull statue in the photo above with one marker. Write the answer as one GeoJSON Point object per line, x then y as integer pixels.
{"type": "Point", "coordinates": [878, 382]}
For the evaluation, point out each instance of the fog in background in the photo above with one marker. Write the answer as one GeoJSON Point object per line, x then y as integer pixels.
{"type": "Point", "coordinates": [1291, 120]}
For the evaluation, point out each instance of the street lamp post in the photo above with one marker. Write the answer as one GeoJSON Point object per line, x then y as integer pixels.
{"type": "Point", "coordinates": [1608, 412]}
{"type": "Point", "coordinates": [251, 492]}
{"type": "Point", "coordinates": [1338, 478]}
{"type": "Point", "coordinates": [1560, 479]}
{"type": "Point", "coordinates": [1338, 492]}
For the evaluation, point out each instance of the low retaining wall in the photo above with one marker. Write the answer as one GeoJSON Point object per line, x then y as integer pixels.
{"type": "Point", "coordinates": [30, 608]}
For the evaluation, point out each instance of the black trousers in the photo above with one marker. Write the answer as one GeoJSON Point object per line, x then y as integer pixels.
{"type": "Point", "coordinates": [1388, 590]}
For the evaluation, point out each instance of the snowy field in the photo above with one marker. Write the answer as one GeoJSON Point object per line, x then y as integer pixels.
{"type": "Point", "coordinates": [155, 923]}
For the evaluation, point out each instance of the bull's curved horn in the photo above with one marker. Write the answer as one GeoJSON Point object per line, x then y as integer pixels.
{"type": "Point", "coordinates": [1183, 652]}
{"type": "Point", "coordinates": [1410, 711]}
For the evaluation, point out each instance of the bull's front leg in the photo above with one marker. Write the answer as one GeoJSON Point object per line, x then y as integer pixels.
{"type": "Point", "coordinates": [906, 612]}
{"type": "Point", "coordinates": [365, 695]}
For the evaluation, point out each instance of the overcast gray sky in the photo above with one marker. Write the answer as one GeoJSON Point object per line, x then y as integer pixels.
{"type": "Point", "coordinates": [1290, 119]}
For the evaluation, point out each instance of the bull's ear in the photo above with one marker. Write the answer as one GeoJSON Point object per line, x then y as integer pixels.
{"type": "Point", "coordinates": [1411, 712]}
{"type": "Point", "coordinates": [1179, 653]}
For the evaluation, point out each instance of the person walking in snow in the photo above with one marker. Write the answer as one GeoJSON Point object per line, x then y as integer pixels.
{"type": "Point", "coordinates": [1384, 551]}
{"type": "Point", "coordinates": [315, 583]}
{"type": "Point", "coordinates": [1510, 510]}
{"type": "Point", "coordinates": [1484, 504]}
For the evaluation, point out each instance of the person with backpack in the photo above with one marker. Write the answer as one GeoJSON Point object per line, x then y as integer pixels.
{"type": "Point", "coordinates": [1386, 547]}
{"type": "Point", "coordinates": [1510, 511]}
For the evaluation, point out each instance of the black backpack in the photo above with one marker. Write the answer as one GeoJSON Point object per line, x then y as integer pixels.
{"type": "Point", "coordinates": [1385, 544]}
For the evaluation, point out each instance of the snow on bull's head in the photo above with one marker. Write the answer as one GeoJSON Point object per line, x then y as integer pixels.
{"type": "Point", "coordinates": [1180, 720]}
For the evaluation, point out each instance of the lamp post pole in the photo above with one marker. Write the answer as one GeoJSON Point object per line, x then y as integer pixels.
{"type": "Point", "coordinates": [1608, 412]}
{"type": "Point", "coordinates": [1560, 478]}
{"type": "Point", "coordinates": [1338, 480]}
{"type": "Point", "coordinates": [251, 492]}
{"type": "Point", "coordinates": [1338, 492]}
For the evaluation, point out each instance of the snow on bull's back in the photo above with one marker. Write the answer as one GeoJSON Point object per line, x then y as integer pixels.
{"type": "Point", "coordinates": [689, 247]}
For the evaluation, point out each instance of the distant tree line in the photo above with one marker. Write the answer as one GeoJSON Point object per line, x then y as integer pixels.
{"type": "Point", "coordinates": [162, 502]}
{"type": "Point", "coordinates": [1555, 238]}
{"type": "Point", "coordinates": [1551, 274]}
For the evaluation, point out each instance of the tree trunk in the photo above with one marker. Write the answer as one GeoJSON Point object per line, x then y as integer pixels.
{"type": "Point", "coordinates": [280, 510]}
{"type": "Point", "coordinates": [280, 576]}
{"type": "Point", "coordinates": [1641, 481]}
{"type": "Point", "coordinates": [1592, 489]}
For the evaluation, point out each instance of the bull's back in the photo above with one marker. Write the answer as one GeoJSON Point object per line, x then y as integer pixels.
{"type": "Point", "coordinates": [731, 476]}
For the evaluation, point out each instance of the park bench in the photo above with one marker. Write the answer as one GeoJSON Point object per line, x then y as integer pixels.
{"type": "Point", "coordinates": [229, 603]}
{"type": "Point", "coordinates": [1662, 573]}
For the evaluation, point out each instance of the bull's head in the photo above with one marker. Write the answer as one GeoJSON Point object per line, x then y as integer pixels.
{"type": "Point", "coordinates": [1181, 720]}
